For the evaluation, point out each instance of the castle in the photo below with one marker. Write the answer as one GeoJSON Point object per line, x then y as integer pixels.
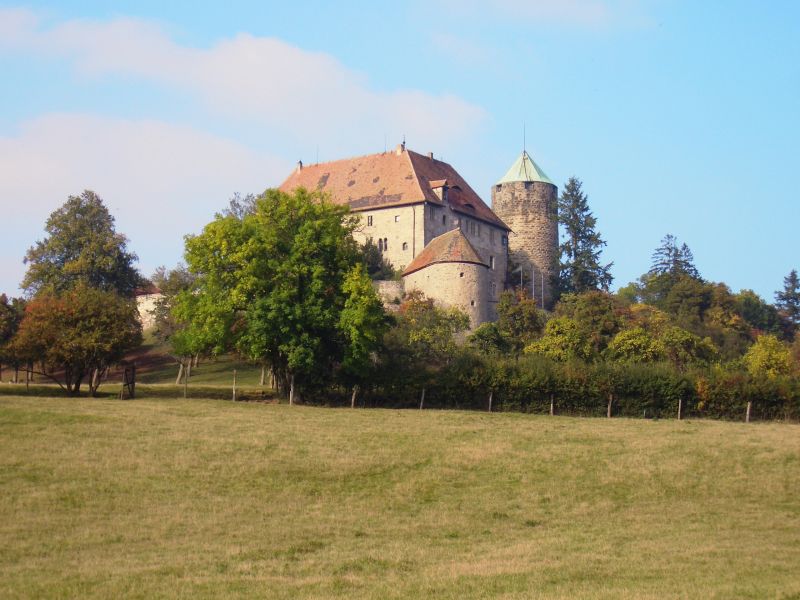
{"type": "Point", "coordinates": [431, 225]}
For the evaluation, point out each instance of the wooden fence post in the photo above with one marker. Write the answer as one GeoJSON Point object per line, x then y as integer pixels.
{"type": "Point", "coordinates": [491, 396]}
{"type": "Point", "coordinates": [422, 399]}
{"type": "Point", "coordinates": [680, 408]}
{"type": "Point", "coordinates": [747, 416]}
{"type": "Point", "coordinates": [610, 400]}
{"type": "Point", "coordinates": [552, 406]}
{"type": "Point", "coordinates": [234, 385]}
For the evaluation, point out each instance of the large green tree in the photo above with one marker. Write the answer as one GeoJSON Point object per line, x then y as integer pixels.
{"type": "Point", "coordinates": [81, 248]}
{"type": "Point", "coordinates": [580, 266]}
{"type": "Point", "coordinates": [270, 283]}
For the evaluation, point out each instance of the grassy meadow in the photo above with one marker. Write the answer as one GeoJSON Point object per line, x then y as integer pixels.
{"type": "Point", "coordinates": [207, 499]}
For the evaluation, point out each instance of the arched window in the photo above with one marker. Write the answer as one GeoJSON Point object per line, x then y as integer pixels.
{"type": "Point", "coordinates": [385, 244]}
{"type": "Point", "coordinates": [405, 245]}
{"type": "Point", "coordinates": [380, 245]}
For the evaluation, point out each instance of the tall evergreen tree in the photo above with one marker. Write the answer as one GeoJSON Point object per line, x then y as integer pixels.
{"type": "Point", "coordinates": [787, 300]}
{"type": "Point", "coordinates": [671, 259]}
{"type": "Point", "coordinates": [580, 267]}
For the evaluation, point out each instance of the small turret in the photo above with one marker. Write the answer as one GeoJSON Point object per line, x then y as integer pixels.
{"type": "Point", "coordinates": [527, 201]}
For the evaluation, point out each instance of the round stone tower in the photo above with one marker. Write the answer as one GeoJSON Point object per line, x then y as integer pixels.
{"type": "Point", "coordinates": [527, 201]}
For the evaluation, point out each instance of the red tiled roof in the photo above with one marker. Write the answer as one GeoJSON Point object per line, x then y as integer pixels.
{"type": "Point", "coordinates": [394, 178]}
{"type": "Point", "coordinates": [452, 246]}
{"type": "Point", "coordinates": [146, 290]}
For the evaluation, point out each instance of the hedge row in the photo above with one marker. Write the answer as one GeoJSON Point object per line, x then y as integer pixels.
{"type": "Point", "coordinates": [531, 383]}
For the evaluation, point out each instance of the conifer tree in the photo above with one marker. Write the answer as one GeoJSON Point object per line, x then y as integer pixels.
{"type": "Point", "coordinates": [669, 258]}
{"type": "Point", "coordinates": [787, 300]}
{"type": "Point", "coordinates": [580, 266]}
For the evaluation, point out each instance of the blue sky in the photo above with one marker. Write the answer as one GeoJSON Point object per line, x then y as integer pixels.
{"type": "Point", "coordinates": [679, 117]}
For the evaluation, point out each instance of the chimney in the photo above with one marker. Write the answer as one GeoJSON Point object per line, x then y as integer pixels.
{"type": "Point", "coordinates": [299, 165]}
{"type": "Point", "coordinates": [430, 155]}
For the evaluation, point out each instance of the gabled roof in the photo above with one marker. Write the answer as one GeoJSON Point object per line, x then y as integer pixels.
{"type": "Point", "coordinates": [449, 247]}
{"type": "Point", "coordinates": [525, 169]}
{"type": "Point", "coordinates": [397, 178]}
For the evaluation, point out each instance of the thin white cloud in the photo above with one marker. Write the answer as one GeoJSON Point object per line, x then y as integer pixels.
{"type": "Point", "coordinates": [160, 181]}
{"type": "Point", "coordinates": [305, 96]}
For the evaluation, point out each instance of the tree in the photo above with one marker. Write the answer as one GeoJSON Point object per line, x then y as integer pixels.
{"type": "Point", "coordinates": [596, 313]}
{"type": "Point", "coordinates": [81, 248]}
{"type": "Point", "coordinates": [563, 340]}
{"type": "Point", "coordinates": [518, 319]}
{"type": "Point", "coordinates": [787, 300]}
{"type": "Point", "coordinates": [768, 357]}
{"type": "Point", "coordinates": [11, 313]}
{"type": "Point", "coordinates": [580, 267]}
{"type": "Point", "coordinates": [489, 339]}
{"type": "Point", "coordinates": [378, 267]}
{"type": "Point", "coordinates": [171, 282]}
{"type": "Point", "coordinates": [423, 341]}
{"type": "Point", "coordinates": [239, 206]}
{"type": "Point", "coordinates": [362, 324]}
{"type": "Point", "coordinates": [77, 332]}
{"type": "Point", "coordinates": [271, 285]}
{"type": "Point", "coordinates": [757, 313]}
{"type": "Point", "coordinates": [671, 259]}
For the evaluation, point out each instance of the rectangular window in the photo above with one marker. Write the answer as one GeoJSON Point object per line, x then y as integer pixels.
{"type": "Point", "coordinates": [491, 262]}
{"type": "Point", "coordinates": [369, 220]}
{"type": "Point", "coordinates": [397, 218]}
{"type": "Point", "coordinates": [432, 213]}
{"type": "Point", "coordinates": [444, 219]}
{"type": "Point", "coordinates": [491, 235]}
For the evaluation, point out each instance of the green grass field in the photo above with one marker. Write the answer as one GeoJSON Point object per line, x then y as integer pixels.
{"type": "Point", "coordinates": [208, 499]}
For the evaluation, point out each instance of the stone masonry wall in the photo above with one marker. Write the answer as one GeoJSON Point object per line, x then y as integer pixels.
{"type": "Point", "coordinates": [531, 210]}
{"type": "Point", "coordinates": [462, 285]}
{"type": "Point", "coordinates": [401, 226]}
{"type": "Point", "coordinates": [487, 240]}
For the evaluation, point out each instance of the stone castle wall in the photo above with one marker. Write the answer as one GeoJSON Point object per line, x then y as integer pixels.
{"type": "Point", "coordinates": [401, 226]}
{"type": "Point", "coordinates": [487, 240]}
{"type": "Point", "coordinates": [531, 210]}
{"type": "Point", "coordinates": [460, 285]}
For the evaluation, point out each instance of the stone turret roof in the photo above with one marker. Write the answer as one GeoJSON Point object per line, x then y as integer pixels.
{"type": "Point", "coordinates": [449, 247]}
{"type": "Point", "coordinates": [397, 178]}
{"type": "Point", "coordinates": [525, 169]}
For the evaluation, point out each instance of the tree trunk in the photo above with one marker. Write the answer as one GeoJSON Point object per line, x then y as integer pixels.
{"type": "Point", "coordinates": [353, 397]}
{"type": "Point", "coordinates": [491, 395]}
{"type": "Point", "coordinates": [680, 408]}
{"type": "Point", "coordinates": [94, 382]}
{"type": "Point", "coordinates": [263, 375]}
{"type": "Point", "coordinates": [180, 374]}
{"type": "Point", "coordinates": [749, 407]}
{"type": "Point", "coordinates": [552, 406]}
{"type": "Point", "coordinates": [197, 360]}
{"type": "Point", "coordinates": [16, 373]}
{"type": "Point", "coordinates": [610, 400]}
{"type": "Point", "coordinates": [234, 385]}
{"type": "Point", "coordinates": [188, 370]}
{"type": "Point", "coordinates": [185, 384]}
{"type": "Point", "coordinates": [291, 390]}
{"type": "Point", "coordinates": [422, 400]}
{"type": "Point", "coordinates": [1, 372]}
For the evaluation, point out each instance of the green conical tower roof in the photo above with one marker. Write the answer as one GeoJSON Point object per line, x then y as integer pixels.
{"type": "Point", "coordinates": [524, 169]}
